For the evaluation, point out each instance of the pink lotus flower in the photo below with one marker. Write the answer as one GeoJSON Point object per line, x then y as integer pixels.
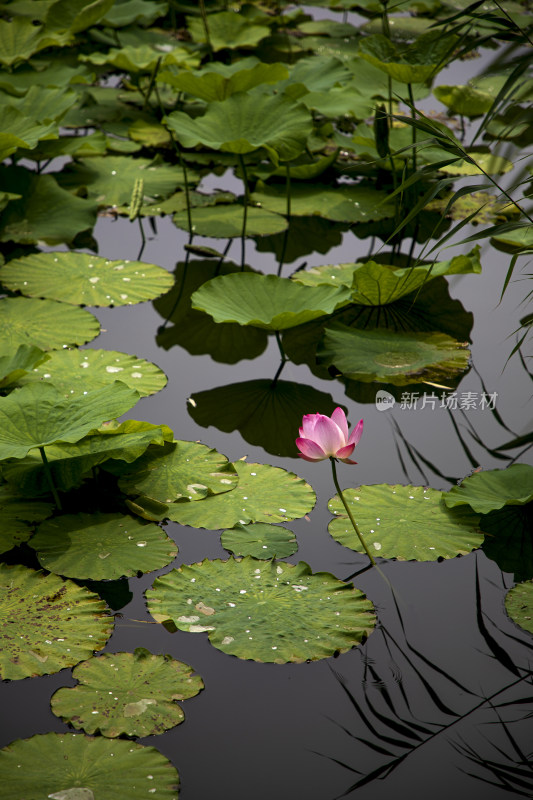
{"type": "Point", "coordinates": [324, 437]}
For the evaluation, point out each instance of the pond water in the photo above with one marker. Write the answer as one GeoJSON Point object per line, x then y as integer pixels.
{"type": "Point", "coordinates": [438, 700]}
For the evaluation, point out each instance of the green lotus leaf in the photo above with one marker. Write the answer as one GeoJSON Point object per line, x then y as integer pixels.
{"type": "Point", "coordinates": [77, 371]}
{"type": "Point", "coordinates": [342, 203]}
{"type": "Point", "coordinates": [94, 144]}
{"type": "Point", "coordinates": [38, 414]}
{"type": "Point", "coordinates": [82, 279]}
{"type": "Point", "coordinates": [266, 301]}
{"type": "Point", "coordinates": [508, 539]}
{"type": "Point", "coordinates": [225, 221]}
{"type": "Point", "coordinates": [265, 413]}
{"type": "Point", "coordinates": [227, 30]}
{"type": "Point", "coordinates": [179, 470]}
{"type": "Point", "coordinates": [401, 29]}
{"type": "Point", "coordinates": [196, 331]}
{"type": "Point", "coordinates": [519, 605]}
{"type": "Point", "coordinates": [71, 766]}
{"type": "Point", "coordinates": [45, 212]}
{"type": "Point", "coordinates": [143, 12]}
{"type": "Point", "coordinates": [45, 104]}
{"type": "Point", "coordinates": [20, 39]}
{"type": "Point", "coordinates": [44, 324]}
{"type": "Point", "coordinates": [142, 57]}
{"type": "Point", "coordinates": [273, 612]}
{"type": "Point", "coordinates": [71, 463]}
{"type": "Point", "coordinates": [255, 499]}
{"type": "Point", "coordinates": [488, 208]}
{"type": "Point", "coordinates": [142, 702]}
{"type": "Point", "coordinates": [19, 363]}
{"type": "Point", "coordinates": [110, 179]}
{"type": "Point", "coordinates": [404, 522]}
{"type": "Point", "coordinates": [259, 540]}
{"type": "Point", "coordinates": [488, 490]}
{"type": "Point", "coordinates": [519, 238]}
{"type": "Point", "coordinates": [343, 101]}
{"type": "Point", "coordinates": [415, 63]}
{"type": "Point", "coordinates": [375, 284]}
{"type": "Point", "coordinates": [20, 130]}
{"type": "Point", "coordinates": [464, 100]}
{"type": "Point", "coordinates": [400, 358]}
{"type": "Point", "coordinates": [101, 546]}
{"type": "Point", "coordinates": [484, 163]}
{"type": "Point", "coordinates": [18, 516]}
{"type": "Point", "coordinates": [243, 123]}
{"type": "Point", "coordinates": [46, 624]}
{"type": "Point", "coordinates": [210, 86]}
{"type": "Point", "coordinates": [76, 17]}
{"type": "Point", "coordinates": [62, 71]}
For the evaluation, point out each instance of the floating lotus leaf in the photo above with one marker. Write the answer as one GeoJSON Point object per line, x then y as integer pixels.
{"type": "Point", "coordinates": [78, 371]}
{"type": "Point", "coordinates": [489, 490]}
{"type": "Point", "coordinates": [342, 203]}
{"type": "Point", "coordinates": [266, 301]}
{"type": "Point", "coordinates": [488, 163]}
{"type": "Point", "coordinates": [343, 101]}
{"type": "Point", "coordinates": [404, 522]}
{"type": "Point", "coordinates": [16, 364]}
{"type": "Point", "coordinates": [227, 29]}
{"type": "Point", "coordinates": [375, 284]}
{"type": "Point", "coordinates": [83, 279]}
{"type": "Point", "coordinates": [488, 208]}
{"type": "Point", "coordinates": [71, 766]}
{"type": "Point", "coordinates": [38, 414]}
{"type": "Point", "coordinates": [464, 100]}
{"type": "Point", "coordinates": [70, 463]}
{"type": "Point", "coordinates": [44, 103]}
{"type": "Point", "coordinates": [243, 123]}
{"type": "Point", "coordinates": [110, 179]}
{"type": "Point", "coordinates": [518, 238]}
{"type": "Point", "coordinates": [211, 86]}
{"type": "Point", "coordinates": [259, 540]}
{"type": "Point", "coordinates": [46, 624]}
{"type": "Point", "coordinates": [519, 605]}
{"type": "Point", "coordinates": [45, 212]}
{"type": "Point", "coordinates": [43, 323]}
{"type": "Point", "coordinates": [255, 499]}
{"type": "Point", "coordinates": [273, 612]}
{"type": "Point", "coordinates": [224, 221]}
{"type": "Point", "coordinates": [144, 688]}
{"type": "Point", "coordinates": [196, 331]}
{"type": "Point", "coordinates": [265, 413]}
{"type": "Point", "coordinates": [180, 469]}
{"type": "Point", "coordinates": [20, 130]}
{"type": "Point", "coordinates": [508, 539]}
{"type": "Point", "coordinates": [135, 58]}
{"type": "Point", "coordinates": [101, 546]}
{"type": "Point", "coordinates": [399, 358]}
{"type": "Point", "coordinates": [18, 516]}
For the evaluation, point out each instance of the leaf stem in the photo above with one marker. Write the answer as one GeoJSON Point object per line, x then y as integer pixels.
{"type": "Point", "coordinates": [345, 504]}
{"type": "Point", "coordinates": [49, 478]}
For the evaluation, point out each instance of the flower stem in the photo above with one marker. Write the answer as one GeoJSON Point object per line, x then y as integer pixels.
{"type": "Point", "coordinates": [49, 478]}
{"type": "Point", "coordinates": [345, 504]}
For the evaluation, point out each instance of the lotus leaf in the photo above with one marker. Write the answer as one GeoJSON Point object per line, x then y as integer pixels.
{"type": "Point", "coordinates": [110, 179]}
{"type": "Point", "coordinates": [45, 212]}
{"type": "Point", "coordinates": [255, 499]}
{"type": "Point", "coordinates": [243, 123]}
{"type": "Point", "coordinates": [101, 546]}
{"type": "Point", "coordinates": [210, 86]}
{"type": "Point", "coordinates": [19, 363]}
{"type": "Point", "coordinates": [404, 522]}
{"type": "Point", "coordinates": [17, 517]}
{"type": "Point", "coordinates": [179, 470]}
{"type": "Point", "coordinates": [142, 701]}
{"type": "Point", "coordinates": [71, 766]}
{"type": "Point", "coordinates": [400, 358]}
{"type": "Point", "coordinates": [19, 130]}
{"type": "Point", "coordinates": [488, 490]}
{"type": "Point", "coordinates": [44, 324]}
{"type": "Point", "coordinates": [142, 58]}
{"type": "Point", "coordinates": [143, 12]}
{"type": "Point", "coordinates": [82, 279]}
{"type": "Point", "coordinates": [47, 624]}
{"type": "Point", "coordinates": [415, 63]}
{"type": "Point", "coordinates": [265, 413]}
{"type": "Point", "coordinates": [225, 221]}
{"type": "Point", "coordinates": [76, 17]}
{"type": "Point", "coordinates": [78, 371]}
{"type": "Point", "coordinates": [266, 301]}
{"type": "Point", "coordinates": [45, 104]}
{"type": "Point", "coordinates": [70, 463]}
{"type": "Point", "coordinates": [259, 540]}
{"type": "Point", "coordinates": [465, 100]}
{"type": "Point", "coordinates": [227, 30]}
{"type": "Point", "coordinates": [273, 612]}
{"type": "Point", "coordinates": [342, 203]}
{"type": "Point", "coordinates": [38, 414]}
{"type": "Point", "coordinates": [20, 39]}
{"type": "Point", "coordinates": [518, 239]}
{"type": "Point", "coordinates": [519, 605]}
{"type": "Point", "coordinates": [482, 162]}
